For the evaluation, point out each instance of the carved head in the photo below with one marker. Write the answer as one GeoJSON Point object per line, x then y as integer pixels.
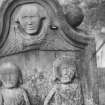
{"type": "Point", "coordinates": [30, 19]}
{"type": "Point", "coordinates": [10, 75]}
{"type": "Point", "coordinates": [64, 69]}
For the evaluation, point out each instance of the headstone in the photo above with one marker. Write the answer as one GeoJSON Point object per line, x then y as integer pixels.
{"type": "Point", "coordinates": [33, 34]}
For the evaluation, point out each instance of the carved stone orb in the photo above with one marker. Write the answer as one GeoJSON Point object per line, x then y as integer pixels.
{"type": "Point", "coordinates": [74, 16]}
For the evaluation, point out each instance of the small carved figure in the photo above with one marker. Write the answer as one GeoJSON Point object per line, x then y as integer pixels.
{"type": "Point", "coordinates": [67, 89]}
{"type": "Point", "coordinates": [31, 21]}
{"type": "Point", "coordinates": [11, 93]}
{"type": "Point", "coordinates": [29, 24]}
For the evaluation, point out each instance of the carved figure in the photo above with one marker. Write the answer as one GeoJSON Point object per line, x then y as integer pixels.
{"type": "Point", "coordinates": [29, 25]}
{"type": "Point", "coordinates": [11, 93]}
{"type": "Point", "coordinates": [67, 89]}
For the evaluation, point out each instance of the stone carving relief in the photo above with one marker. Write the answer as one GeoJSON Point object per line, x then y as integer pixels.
{"type": "Point", "coordinates": [38, 26]}
{"type": "Point", "coordinates": [67, 89]}
{"type": "Point", "coordinates": [29, 25]}
{"type": "Point", "coordinates": [11, 79]}
{"type": "Point", "coordinates": [36, 36]}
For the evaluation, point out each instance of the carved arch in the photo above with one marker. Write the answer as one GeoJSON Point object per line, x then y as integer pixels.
{"type": "Point", "coordinates": [9, 6]}
{"type": "Point", "coordinates": [70, 35]}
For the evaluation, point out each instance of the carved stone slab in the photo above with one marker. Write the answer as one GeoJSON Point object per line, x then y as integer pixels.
{"type": "Point", "coordinates": [36, 24]}
{"type": "Point", "coordinates": [33, 34]}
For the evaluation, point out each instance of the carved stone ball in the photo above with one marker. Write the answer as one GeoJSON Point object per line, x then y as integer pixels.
{"type": "Point", "coordinates": [74, 16]}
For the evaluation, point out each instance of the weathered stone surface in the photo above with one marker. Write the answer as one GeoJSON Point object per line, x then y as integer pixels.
{"type": "Point", "coordinates": [36, 38]}
{"type": "Point", "coordinates": [11, 92]}
{"type": "Point", "coordinates": [74, 16]}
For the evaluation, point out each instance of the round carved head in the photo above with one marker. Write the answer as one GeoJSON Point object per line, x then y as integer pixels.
{"type": "Point", "coordinates": [65, 69]}
{"type": "Point", "coordinates": [30, 19]}
{"type": "Point", "coordinates": [29, 26]}
{"type": "Point", "coordinates": [10, 75]}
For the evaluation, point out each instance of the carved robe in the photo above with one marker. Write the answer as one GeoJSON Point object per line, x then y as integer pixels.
{"type": "Point", "coordinates": [70, 95]}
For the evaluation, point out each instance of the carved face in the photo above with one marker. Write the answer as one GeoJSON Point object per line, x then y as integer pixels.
{"type": "Point", "coordinates": [10, 80]}
{"type": "Point", "coordinates": [29, 19]}
{"type": "Point", "coordinates": [67, 73]}
{"type": "Point", "coordinates": [9, 76]}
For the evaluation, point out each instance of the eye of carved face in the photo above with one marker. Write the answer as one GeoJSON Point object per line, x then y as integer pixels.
{"type": "Point", "coordinates": [30, 19]}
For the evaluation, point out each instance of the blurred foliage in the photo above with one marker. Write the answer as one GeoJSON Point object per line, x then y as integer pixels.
{"type": "Point", "coordinates": [94, 12]}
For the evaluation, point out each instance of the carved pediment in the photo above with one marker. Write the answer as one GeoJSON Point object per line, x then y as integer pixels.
{"type": "Point", "coordinates": [36, 24]}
